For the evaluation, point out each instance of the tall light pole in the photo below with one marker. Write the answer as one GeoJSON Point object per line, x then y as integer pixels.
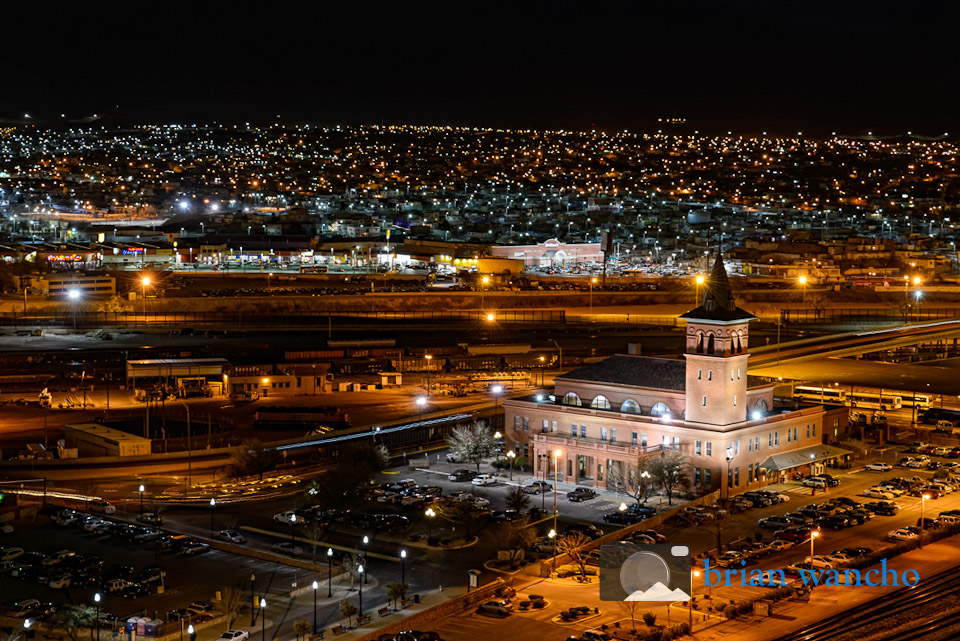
{"type": "Point", "coordinates": [329, 572]}
{"type": "Point", "coordinates": [729, 480]}
{"type": "Point", "coordinates": [699, 282]}
{"type": "Point", "coordinates": [813, 537]}
{"type": "Point", "coordinates": [96, 598]}
{"type": "Point", "coordinates": [213, 504]}
{"type": "Point", "coordinates": [403, 567]}
{"type": "Point", "coordinates": [142, 490]}
{"type": "Point", "coordinates": [263, 619]}
{"type": "Point", "coordinates": [363, 576]}
{"type": "Point", "coordinates": [560, 358]}
{"type": "Point", "coordinates": [803, 288]}
{"type": "Point", "coordinates": [556, 488]}
{"type": "Point", "coordinates": [496, 390]}
{"type": "Point", "coordinates": [430, 514]}
{"type": "Point", "coordinates": [483, 284]}
{"type": "Point", "coordinates": [543, 362]}
{"type": "Point", "coordinates": [253, 601]}
{"type": "Point", "coordinates": [923, 500]}
{"type": "Point", "coordinates": [363, 554]}
{"type": "Point", "coordinates": [623, 515]}
{"type": "Point", "coordinates": [144, 283]}
{"type": "Point", "coordinates": [511, 455]}
{"type": "Point", "coordinates": [429, 358]}
{"type": "Point", "coordinates": [552, 535]}
{"type": "Point", "coordinates": [315, 586]}
{"type": "Point", "coordinates": [421, 401]}
{"type": "Point", "coordinates": [74, 295]}
{"type": "Point", "coordinates": [593, 281]}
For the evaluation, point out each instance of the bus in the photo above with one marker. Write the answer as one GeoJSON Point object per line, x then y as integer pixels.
{"type": "Point", "coordinates": [920, 401]}
{"type": "Point", "coordinates": [314, 269]}
{"type": "Point", "coordinates": [826, 394]}
{"type": "Point", "coordinates": [875, 401]}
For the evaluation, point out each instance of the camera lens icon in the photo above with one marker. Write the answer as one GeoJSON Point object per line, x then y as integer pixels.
{"type": "Point", "coordinates": [646, 573]}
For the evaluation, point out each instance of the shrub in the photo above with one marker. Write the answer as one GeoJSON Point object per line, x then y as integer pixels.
{"type": "Point", "coordinates": [539, 604]}
{"type": "Point", "coordinates": [649, 618]}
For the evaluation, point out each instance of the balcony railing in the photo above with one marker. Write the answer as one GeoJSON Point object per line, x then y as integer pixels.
{"type": "Point", "coordinates": [604, 445]}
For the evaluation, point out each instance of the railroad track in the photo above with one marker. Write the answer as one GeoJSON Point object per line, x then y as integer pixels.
{"type": "Point", "coordinates": [924, 630]}
{"type": "Point", "coordinates": [927, 591]}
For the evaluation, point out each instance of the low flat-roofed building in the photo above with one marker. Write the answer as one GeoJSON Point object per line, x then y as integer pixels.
{"type": "Point", "coordinates": [93, 439]}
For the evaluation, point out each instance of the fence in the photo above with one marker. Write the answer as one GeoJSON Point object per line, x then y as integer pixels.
{"type": "Point", "coordinates": [867, 314]}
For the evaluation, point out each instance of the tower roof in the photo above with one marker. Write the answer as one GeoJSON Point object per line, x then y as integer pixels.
{"type": "Point", "coordinates": [717, 303]}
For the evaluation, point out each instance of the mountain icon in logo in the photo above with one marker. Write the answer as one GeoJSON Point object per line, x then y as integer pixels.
{"type": "Point", "coordinates": [658, 592]}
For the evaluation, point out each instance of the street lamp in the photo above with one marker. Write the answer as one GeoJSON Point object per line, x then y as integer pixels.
{"type": "Point", "coordinates": [213, 504]}
{"type": "Point", "coordinates": [263, 619]}
{"type": "Point", "coordinates": [923, 500]}
{"type": "Point", "coordinates": [429, 358]}
{"type": "Point", "coordinates": [552, 535]}
{"type": "Point", "coordinates": [421, 401]}
{"type": "Point", "coordinates": [144, 283]}
{"type": "Point", "coordinates": [315, 586]}
{"type": "Point", "coordinates": [253, 601]}
{"type": "Point", "coordinates": [729, 481]}
{"type": "Point", "coordinates": [623, 515]}
{"type": "Point", "coordinates": [74, 295]}
{"type": "Point", "coordinates": [363, 554]}
{"type": "Point", "coordinates": [593, 281]}
{"type": "Point", "coordinates": [699, 281]}
{"type": "Point", "coordinates": [496, 390]}
{"type": "Point", "coordinates": [329, 572]}
{"type": "Point", "coordinates": [803, 288]}
{"type": "Point", "coordinates": [491, 317]}
{"type": "Point", "coordinates": [96, 598]}
{"type": "Point", "coordinates": [430, 514]}
{"type": "Point", "coordinates": [142, 490]}
{"type": "Point", "coordinates": [403, 567]}
{"type": "Point", "coordinates": [556, 487]}
{"type": "Point", "coordinates": [360, 588]}
{"type": "Point", "coordinates": [543, 362]}
{"type": "Point", "coordinates": [293, 528]}
{"type": "Point", "coordinates": [511, 455]}
{"type": "Point", "coordinates": [813, 537]}
{"type": "Point", "coordinates": [483, 283]}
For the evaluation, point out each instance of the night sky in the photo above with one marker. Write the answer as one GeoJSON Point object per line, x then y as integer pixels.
{"type": "Point", "coordinates": [779, 65]}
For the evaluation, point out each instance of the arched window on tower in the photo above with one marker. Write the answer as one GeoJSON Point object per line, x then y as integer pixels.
{"type": "Point", "coordinates": [630, 406]}
{"type": "Point", "coordinates": [571, 399]}
{"type": "Point", "coordinates": [660, 409]}
{"type": "Point", "coordinates": [600, 402]}
{"type": "Point", "coordinates": [739, 345]}
{"type": "Point", "coordinates": [700, 344]}
{"type": "Point", "coordinates": [710, 344]}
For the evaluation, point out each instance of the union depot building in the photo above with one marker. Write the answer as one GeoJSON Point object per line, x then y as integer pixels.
{"type": "Point", "coordinates": [605, 416]}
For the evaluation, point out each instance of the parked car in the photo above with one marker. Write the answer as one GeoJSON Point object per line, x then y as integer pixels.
{"type": "Point", "coordinates": [779, 545]}
{"type": "Point", "coordinates": [587, 529]}
{"type": "Point", "coordinates": [462, 475]}
{"type": "Point", "coordinates": [832, 481]}
{"type": "Point", "coordinates": [878, 493]}
{"type": "Point", "coordinates": [775, 522]}
{"type": "Point", "coordinates": [903, 534]}
{"type": "Point", "coordinates": [201, 607]}
{"type": "Point", "coordinates": [819, 562]}
{"type": "Point", "coordinates": [795, 534]}
{"type": "Point", "coordinates": [103, 507]}
{"type": "Point", "coordinates": [505, 515]}
{"type": "Point", "coordinates": [193, 548]}
{"type": "Point", "coordinates": [798, 519]}
{"type": "Point", "coordinates": [483, 479]}
{"type": "Point", "coordinates": [835, 522]}
{"type": "Point", "coordinates": [235, 635]}
{"type": "Point", "coordinates": [230, 536]}
{"type": "Point", "coordinates": [22, 608]}
{"type": "Point", "coordinates": [730, 559]}
{"type": "Point", "coordinates": [499, 607]}
{"type": "Point", "coordinates": [10, 553]}
{"type": "Point", "coordinates": [812, 481]}
{"type": "Point", "coordinates": [286, 518]}
{"type": "Point", "coordinates": [596, 635]}
{"type": "Point", "coordinates": [930, 523]}
{"type": "Point", "coordinates": [883, 508]}
{"type": "Point", "coordinates": [150, 518]}
{"type": "Point", "coordinates": [288, 548]}
{"type": "Point", "coordinates": [879, 467]}
{"type": "Point", "coordinates": [581, 494]}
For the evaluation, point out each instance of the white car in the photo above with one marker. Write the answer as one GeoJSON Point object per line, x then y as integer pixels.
{"type": "Point", "coordinates": [819, 562]}
{"type": "Point", "coordinates": [839, 558]}
{"type": "Point", "coordinates": [814, 482]}
{"type": "Point", "coordinates": [92, 524]}
{"type": "Point", "coordinates": [878, 493]}
{"type": "Point", "coordinates": [103, 507]}
{"type": "Point", "coordinates": [235, 635]}
{"type": "Point", "coordinates": [916, 464]}
{"type": "Point", "coordinates": [902, 535]}
{"type": "Point", "coordinates": [479, 501]}
{"type": "Point", "coordinates": [286, 518]}
{"type": "Point", "coordinates": [879, 467]}
{"type": "Point", "coordinates": [483, 479]}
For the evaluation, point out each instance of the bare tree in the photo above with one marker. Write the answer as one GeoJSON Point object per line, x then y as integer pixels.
{"type": "Point", "coordinates": [572, 545]}
{"type": "Point", "coordinates": [232, 599]}
{"type": "Point", "coordinates": [396, 592]}
{"type": "Point", "coordinates": [515, 537]}
{"type": "Point", "coordinates": [348, 610]}
{"type": "Point", "coordinates": [637, 482]}
{"type": "Point", "coordinates": [630, 609]}
{"type": "Point", "coordinates": [301, 628]}
{"type": "Point", "coordinates": [718, 521]}
{"type": "Point", "coordinates": [72, 618]}
{"type": "Point", "coordinates": [670, 471]}
{"type": "Point", "coordinates": [473, 442]}
{"type": "Point", "coordinates": [315, 530]}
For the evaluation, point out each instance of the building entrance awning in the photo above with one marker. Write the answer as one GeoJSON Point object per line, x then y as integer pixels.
{"type": "Point", "coordinates": [804, 456]}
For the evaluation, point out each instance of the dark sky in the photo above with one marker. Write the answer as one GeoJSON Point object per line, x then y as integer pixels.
{"type": "Point", "coordinates": [779, 65]}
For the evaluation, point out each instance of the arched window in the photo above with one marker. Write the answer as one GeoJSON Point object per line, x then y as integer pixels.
{"type": "Point", "coordinates": [571, 399]}
{"type": "Point", "coordinates": [739, 345]}
{"type": "Point", "coordinates": [600, 402]}
{"type": "Point", "coordinates": [761, 407]}
{"type": "Point", "coordinates": [700, 344]}
{"type": "Point", "coordinates": [710, 345]}
{"type": "Point", "coordinates": [630, 406]}
{"type": "Point", "coordinates": [660, 409]}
